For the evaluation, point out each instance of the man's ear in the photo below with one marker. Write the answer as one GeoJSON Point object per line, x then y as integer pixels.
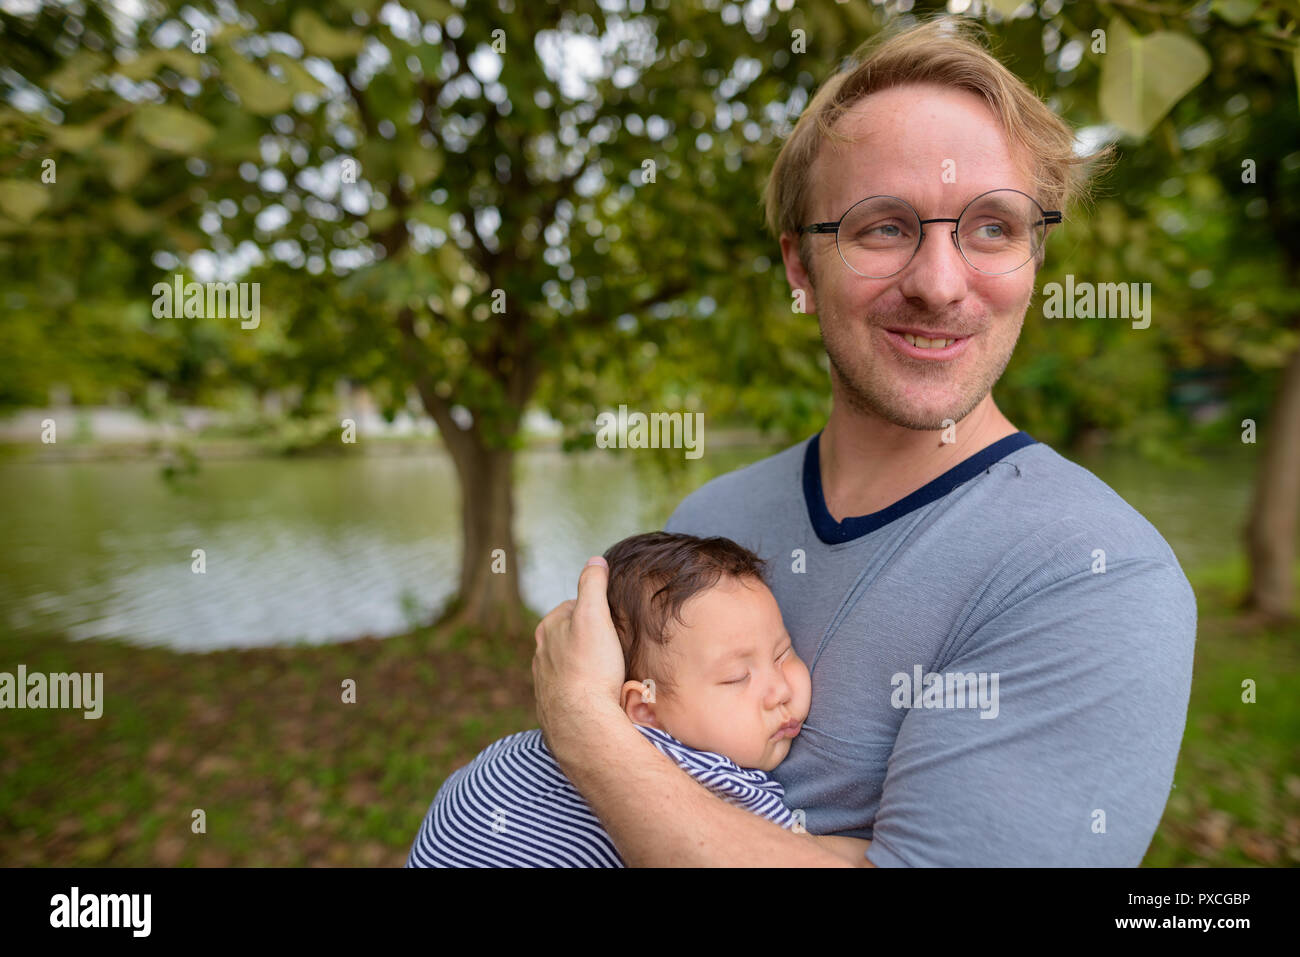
{"type": "Point", "coordinates": [797, 274]}
{"type": "Point", "coordinates": [635, 704]}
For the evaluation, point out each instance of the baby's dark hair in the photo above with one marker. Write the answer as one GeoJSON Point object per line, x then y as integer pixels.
{"type": "Point", "coordinates": [651, 576]}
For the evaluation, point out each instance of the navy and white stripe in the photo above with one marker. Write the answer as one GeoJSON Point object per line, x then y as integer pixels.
{"type": "Point", "coordinates": [512, 806]}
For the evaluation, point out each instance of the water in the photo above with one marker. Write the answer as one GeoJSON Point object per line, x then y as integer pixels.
{"type": "Point", "coordinates": [319, 550]}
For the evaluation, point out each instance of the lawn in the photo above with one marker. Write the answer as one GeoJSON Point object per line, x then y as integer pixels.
{"type": "Point", "coordinates": [287, 773]}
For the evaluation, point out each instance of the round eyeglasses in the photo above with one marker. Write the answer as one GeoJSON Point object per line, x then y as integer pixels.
{"type": "Point", "coordinates": [997, 233]}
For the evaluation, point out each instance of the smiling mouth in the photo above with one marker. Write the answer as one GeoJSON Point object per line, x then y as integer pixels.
{"type": "Point", "coordinates": [927, 338]}
{"type": "Point", "coordinates": [923, 344]}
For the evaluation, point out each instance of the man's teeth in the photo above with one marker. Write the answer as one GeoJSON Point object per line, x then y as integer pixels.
{"type": "Point", "coordinates": [924, 343]}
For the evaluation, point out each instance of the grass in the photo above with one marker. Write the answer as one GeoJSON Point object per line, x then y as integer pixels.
{"type": "Point", "coordinates": [287, 774]}
{"type": "Point", "coordinates": [1236, 796]}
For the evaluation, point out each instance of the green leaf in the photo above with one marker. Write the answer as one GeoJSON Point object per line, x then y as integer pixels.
{"type": "Point", "coordinates": [1006, 7]}
{"type": "Point", "coordinates": [423, 164]}
{"type": "Point", "coordinates": [73, 78]}
{"type": "Point", "coordinates": [133, 220]}
{"type": "Point", "coordinates": [22, 200]}
{"type": "Point", "coordinates": [185, 239]}
{"type": "Point", "coordinates": [143, 67]}
{"type": "Point", "coordinates": [451, 260]}
{"type": "Point", "coordinates": [124, 165]}
{"type": "Point", "coordinates": [74, 139]}
{"type": "Point", "coordinates": [298, 77]}
{"type": "Point", "coordinates": [1236, 12]}
{"type": "Point", "coordinates": [148, 65]}
{"type": "Point", "coordinates": [1295, 63]}
{"type": "Point", "coordinates": [434, 216]}
{"type": "Point", "coordinates": [241, 134]}
{"type": "Point", "coordinates": [432, 9]}
{"type": "Point", "coordinates": [380, 219]}
{"type": "Point", "coordinates": [430, 57]}
{"type": "Point", "coordinates": [256, 91]}
{"type": "Point", "coordinates": [173, 129]}
{"type": "Point", "coordinates": [1143, 77]}
{"type": "Point", "coordinates": [320, 39]}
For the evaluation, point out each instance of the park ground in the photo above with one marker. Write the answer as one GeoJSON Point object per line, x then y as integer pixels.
{"type": "Point", "coordinates": [287, 774]}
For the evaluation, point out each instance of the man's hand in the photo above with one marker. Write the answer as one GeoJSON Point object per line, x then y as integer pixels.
{"type": "Point", "coordinates": [579, 661]}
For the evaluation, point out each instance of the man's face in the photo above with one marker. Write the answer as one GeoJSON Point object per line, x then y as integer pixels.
{"type": "Point", "coordinates": [907, 137]}
{"type": "Point", "coordinates": [737, 678]}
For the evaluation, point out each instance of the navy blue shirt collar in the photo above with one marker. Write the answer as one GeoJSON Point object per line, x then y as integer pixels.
{"type": "Point", "coordinates": [834, 533]}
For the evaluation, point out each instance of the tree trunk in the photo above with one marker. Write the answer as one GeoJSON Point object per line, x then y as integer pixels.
{"type": "Point", "coordinates": [488, 599]}
{"type": "Point", "coordinates": [489, 569]}
{"type": "Point", "coordinates": [1271, 530]}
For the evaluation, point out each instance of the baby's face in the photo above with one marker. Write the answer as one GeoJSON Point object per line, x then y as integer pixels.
{"type": "Point", "coordinates": [737, 679]}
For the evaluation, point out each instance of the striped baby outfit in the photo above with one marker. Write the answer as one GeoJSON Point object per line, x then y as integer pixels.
{"type": "Point", "coordinates": [512, 806]}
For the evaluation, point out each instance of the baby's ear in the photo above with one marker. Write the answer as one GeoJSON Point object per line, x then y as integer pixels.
{"type": "Point", "coordinates": [639, 702]}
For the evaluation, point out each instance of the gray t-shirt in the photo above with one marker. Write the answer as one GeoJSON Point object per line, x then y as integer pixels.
{"type": "Point", "coordinates": [1058, 622]}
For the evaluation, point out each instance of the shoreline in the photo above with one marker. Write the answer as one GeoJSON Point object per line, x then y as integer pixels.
{"type": "Point", "coordinates": [279, 446]}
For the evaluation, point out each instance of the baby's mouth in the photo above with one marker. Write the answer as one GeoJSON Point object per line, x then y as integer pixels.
{"type": "Point", "coordinates": [788, 730]}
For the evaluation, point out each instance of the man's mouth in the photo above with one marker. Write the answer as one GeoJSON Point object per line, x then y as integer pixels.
{"type": "Point", "coordinates": [926, 344]}
{"type": "Point", "coordinates": [936, 343]}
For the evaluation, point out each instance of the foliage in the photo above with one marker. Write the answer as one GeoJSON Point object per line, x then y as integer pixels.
{"type": "Point", "coordinates": [502, 222]}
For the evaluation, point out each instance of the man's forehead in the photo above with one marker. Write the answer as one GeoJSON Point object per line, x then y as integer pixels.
{"type": "Point", "coordinates": [927, 144]}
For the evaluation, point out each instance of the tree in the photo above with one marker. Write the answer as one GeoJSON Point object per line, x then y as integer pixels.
{"type": "Point", "coordinates": [440, 199]}
{"type": "Point", "coordinates": [486, 206]}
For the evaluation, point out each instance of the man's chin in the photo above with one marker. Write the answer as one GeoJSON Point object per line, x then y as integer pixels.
{"type": "Point", "coordinates": [931, 417]}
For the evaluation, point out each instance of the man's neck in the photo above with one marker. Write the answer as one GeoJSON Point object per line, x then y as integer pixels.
{"type": "Point", "coordinates": [868, 464]}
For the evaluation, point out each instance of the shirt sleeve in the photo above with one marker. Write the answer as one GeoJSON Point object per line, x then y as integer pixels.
{"type": "Point", "coordinates": [1071, 763]}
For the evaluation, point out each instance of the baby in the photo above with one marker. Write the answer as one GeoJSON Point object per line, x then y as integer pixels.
{"type": "Point", "coordinates": [713, 682]}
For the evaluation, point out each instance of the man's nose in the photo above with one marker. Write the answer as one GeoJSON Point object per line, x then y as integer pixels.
{"type": "Point", "coordinates": [938, 274]}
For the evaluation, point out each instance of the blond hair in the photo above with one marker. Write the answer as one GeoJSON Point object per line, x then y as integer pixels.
{"type": "Point", "coordinates": [948, 52]}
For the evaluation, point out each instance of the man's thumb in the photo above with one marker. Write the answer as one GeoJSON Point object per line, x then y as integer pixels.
{"type": "Point", "coordinates": [591, 588]}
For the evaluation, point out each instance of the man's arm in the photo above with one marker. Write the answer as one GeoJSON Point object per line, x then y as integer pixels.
{"type": "Point", "coordinates": [1094, 672]}
{"type": "Point", "coordinates": [656, 813]}
{"type": "Point", "coordinates": [852, 849]}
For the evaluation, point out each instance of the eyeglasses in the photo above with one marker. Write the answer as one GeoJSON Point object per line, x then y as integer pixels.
{"type": "Point", "coordinates": [997, 233]}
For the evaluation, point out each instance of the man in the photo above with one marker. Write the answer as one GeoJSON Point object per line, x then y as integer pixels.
{"type": "Point", "coordinates": [1000, 647]}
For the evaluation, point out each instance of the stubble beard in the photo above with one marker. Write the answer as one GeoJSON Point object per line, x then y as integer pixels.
{"type": "Point", "coordinates": [870, 396]}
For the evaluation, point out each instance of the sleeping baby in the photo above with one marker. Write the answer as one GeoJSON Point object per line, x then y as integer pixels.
{"type": "Point", "coordinates": [713, 682]}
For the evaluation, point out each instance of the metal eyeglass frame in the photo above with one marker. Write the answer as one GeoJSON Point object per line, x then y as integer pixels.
{"type": "Point", "coordinates": [1050, 218]}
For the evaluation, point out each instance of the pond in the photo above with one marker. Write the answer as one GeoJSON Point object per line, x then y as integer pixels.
{"type": "Point", "coordinates": [319, 550]}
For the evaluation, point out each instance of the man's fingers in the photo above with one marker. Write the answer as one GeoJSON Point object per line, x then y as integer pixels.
{"type": "Point", "coordinates": [561, 611]}
{"type": "Point", "coordinates": [555, 620]}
